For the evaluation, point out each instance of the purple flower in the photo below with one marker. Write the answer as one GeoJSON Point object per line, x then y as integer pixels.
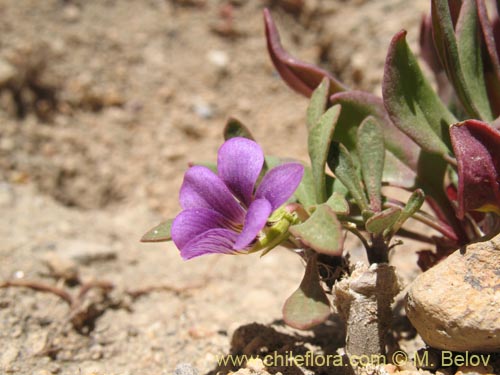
{"type": "Point", "coordinates": [224, 213]}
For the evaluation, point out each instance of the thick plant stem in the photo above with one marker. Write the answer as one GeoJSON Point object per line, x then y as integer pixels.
{"type": "Point", "coordinates": [364, 300]}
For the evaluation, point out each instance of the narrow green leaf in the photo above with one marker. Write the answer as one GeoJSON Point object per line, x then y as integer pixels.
{"type": "Point", "coordinates": [416, 200]}
{"type": "Point", "coordinates": [492, 60]}
{"type": "Point", "coordinates": [321, 232]}
{"type": "Point", "coordinates": [371, 155]}
{"type": "Point", "coordinates": [235, 128]}
{"type": "Point", "coordinates": [402, 152]}
{"type": "Point", "coordinates": [160, 233]}
{"type": "Point", "coordinates": [308, 305]}
{"type": "Point", "coordinates": [454, 57]}
{"type": "Point", "coordinates": [319, 140]}
{"type": "Point", "coordinates": [381, 221]}
{"type": "Point", "coordinates": [411, 102]}
{"type": "Point", "coordinates": [305, 193]}
{"type": "Point", "coordinates": [470, 52]}
{"type": "Point", "coordinates": [342, 165]}
{"type": "Point", "coordinates": [318, 102]}
{"type": "Point", "coordinates": [338, 204]}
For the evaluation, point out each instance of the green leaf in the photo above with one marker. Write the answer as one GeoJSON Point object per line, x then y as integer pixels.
{"type": "Point", "coordinates": [321, 232]}
{"type": "Point", "coordinates": [411, 102]}
{"type": "Point", "coordinates": [462, 58]}
{"type": "Point", "coordinates": [492, 60]}
{"type": "Point", "coordinates": [318, 102]}
{"type": "Point", "coordinates": [416, 200]}
{"type": "Point", "coordinates": [235, 128]}
{"type": "Point", "coordinates": [160, 233]}
{"type": "Point", "coordinates": [342, 165]}
{"type": "Point", "coordinates": [381, 221]}
{"type": "Point", "coordinates": [319, 140]}
{"type": "Point", "coordinates": [305, 193]}
{"type": "Point", "coordinates": [308, 305]}
{"type": "Point", "coordinates": [371, 155]}
{"type": "Point", "coordinates": [470, 52]}
{"type": "Point", "coordinates": [401, 152]}
{"type": "Point", "coordinates": [338, 204]}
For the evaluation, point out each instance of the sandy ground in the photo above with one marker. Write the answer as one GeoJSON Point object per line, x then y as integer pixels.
{"type": "Point", "coordinates": [110, 102]}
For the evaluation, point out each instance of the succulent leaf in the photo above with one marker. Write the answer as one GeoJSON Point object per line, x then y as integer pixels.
{"type": "Point", "coordinates": [492, 60]}
{"type": "Point", "coordinates": [318, 103]}
{"type": "Point", "coordinates": [371, 155]}
{"type": "Point", "coordinates": [308, 305]}
{"type": "Point", "coordinates": [411, 102]}
{"type": "Point", "coordinates": [319, 140]}
{"type": "Point", "coordinates": [235, 128]}
{"type": "Point", "coordinates": [470, 52]}
{"type": "Point", "coordinates": [416, 200]}
{"type": "Point", "coordinates": [461, 58]}
{"type": "Point", "coordinates": [300, 76]}
{"type": "Point", "coordinates": [306, 192]}
{"type": "Point", "coordinates": [338, 204]}
{"type": "Point", "coordinates": [401, 152]}
{"type": "Point", "coordinates": [321, 232]}
{"type": "Point", "coordinates": [383, 220]}
{"type": "Point", "coordinates": [477, 149]}
{"type": "Point", "coordinates": [159, 233]}
{"type": "Point", "coordinates": [342, 165]}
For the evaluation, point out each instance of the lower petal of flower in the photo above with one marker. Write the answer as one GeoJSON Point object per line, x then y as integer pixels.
{"type": "Point", "coordinates": [213, 241]}
{"type": "Point", "coordinates": [192, 222]}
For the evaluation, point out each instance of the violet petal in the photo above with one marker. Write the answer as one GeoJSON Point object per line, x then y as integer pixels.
{"type": "Point", "coordinates": [193, 222]}
{"type": "Point", "coordinates": [280, 183]}
{"type": "Point", "coordinates": [239, 163]}
{"type": "Point", "coordinates": [256, 219]}
{"type": "Point", "coordinates": [204, 189]}
{"type": "Point", "coordinates": [213, 241]}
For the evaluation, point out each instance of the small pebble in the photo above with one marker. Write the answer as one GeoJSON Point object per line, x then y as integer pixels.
{"type": "Point", "coordinates": [71, 13]}
{"type": "Point", "coordinates": [475, 370]}
{"type": "Point", "coordinates": [444, 371]}
{"type": "Point", "coordinates": [203, 109]}
{"type": "Point", "coordinates": [255, 364]}
{"type": "Point", "coordinates": [218, 58]}
{"type": "Point", "coordinates": [61, 268]}
{"type": "Point", "coordinates": [7, 72]}
{"type": "Point", "coordinates": [10, 355]}
{"type": "Point", "coordinates": [185, 369]}
{"type": "Point", "coordinates": [390, 368]}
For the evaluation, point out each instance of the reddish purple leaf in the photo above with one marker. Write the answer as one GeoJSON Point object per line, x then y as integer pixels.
{"type": "Point", "coordinates": [300, 76]}
{"type": "Point", "coordinates": [430, 56]}
{"type": "Point", "coordinates": [477, 149]}
{"type": "Point", "coordinates": [428, 51]}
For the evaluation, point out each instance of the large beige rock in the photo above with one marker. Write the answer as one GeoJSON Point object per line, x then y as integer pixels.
{"type": "Point", "coordinates": [456, 304]}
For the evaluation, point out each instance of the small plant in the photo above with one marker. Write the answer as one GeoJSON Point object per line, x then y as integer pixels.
{"type": "Point", "coordinates": [443, 148]}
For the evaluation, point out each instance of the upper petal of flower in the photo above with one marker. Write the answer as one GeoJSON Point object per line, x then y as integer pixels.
{"type": "Point", "coordinates": [204, 189]}
{"type": "Point", "coordinates": [194, 221]}
{"type": "Point", "coordinates": [256, 219]}
{"type": "Point", "coordinates": [213, 241]}
{"type": "Point", "coordinates": [280, 183]}
{"type": "Point", "coordinates": [239, 164]}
